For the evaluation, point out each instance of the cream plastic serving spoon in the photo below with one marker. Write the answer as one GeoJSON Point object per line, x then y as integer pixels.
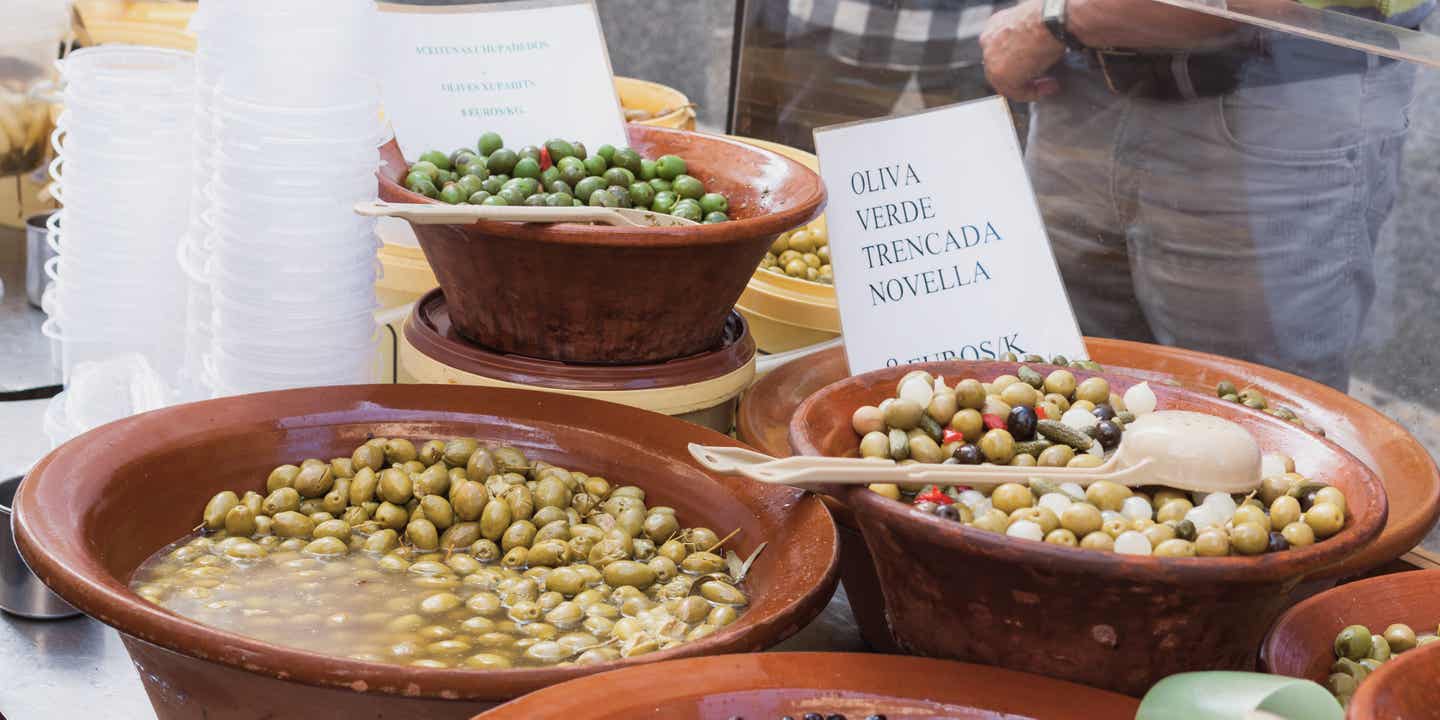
{"type": "Point", "coordinates": [464, 214]}
{"type": "Point", "coordinates": [1179, 449]}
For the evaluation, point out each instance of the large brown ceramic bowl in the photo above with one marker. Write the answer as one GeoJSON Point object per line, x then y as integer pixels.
{"type": "Point", "coordinates": [1303, 640]}
{"type": "Point", "coordinates": [609, 295]}
{"type": "Point", "coordinates": [1103, 619]}
{"type": "Point", "coordinates": [1402, 689]}
{"type": "Point", "coordinates": [94, 509]}
{"type": "Point", "coordinates": [768, 686]}
{"type": "Point", "coordinates": [1411, 480]}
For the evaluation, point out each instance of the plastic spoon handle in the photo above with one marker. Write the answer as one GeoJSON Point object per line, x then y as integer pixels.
{"type": "Point", "coordinates": [463, 214]}
{"type": "Point", "coordinates": [813, 473]}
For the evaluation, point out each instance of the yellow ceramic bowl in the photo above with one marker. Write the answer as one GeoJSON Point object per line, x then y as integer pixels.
{"type": "Point", "coordinates": [654, 98]}
{"type": "Point", "coordinates": [787, 313]}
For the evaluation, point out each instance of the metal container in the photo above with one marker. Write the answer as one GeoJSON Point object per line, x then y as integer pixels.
{"type": "Point", "coordinates": [37, 251]}
{"type": "Point", "coordinates": [21, 593]}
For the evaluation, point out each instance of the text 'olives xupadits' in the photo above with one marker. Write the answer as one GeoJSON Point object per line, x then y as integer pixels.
{"type": "Point", "coordinates": [448, 554]}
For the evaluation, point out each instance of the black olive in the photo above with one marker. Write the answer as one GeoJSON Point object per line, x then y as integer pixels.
{"type": "Point", "coordinates": [947, 512]}
{"type": "Point", "coordinates": [814, 716]}
{"type": "Point", "coordinates": [969, 454]}
{"type": "Point", "coordinates": [1277, 543]}
{"type": "Point", "coordinates": [876, 717]}
{"type": "Point", "coordinates": [836, 716]}
{"type": "Point", "coordinates": [1108, 433]}
{"type": "Point", "coordinates": [1104, 411]}
{"type": "Point", "coordinates": [1021, 422]}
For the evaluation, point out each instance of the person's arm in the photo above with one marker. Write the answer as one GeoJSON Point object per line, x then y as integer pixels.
{"type": "Point", "coordinates": [1018, 50]}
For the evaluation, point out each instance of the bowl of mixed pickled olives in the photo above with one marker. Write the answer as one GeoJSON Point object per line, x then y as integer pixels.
{"type": "Point", "coordinates": [603, 294]}
{"type": "Point", "coordinates": [409, 546]}
{"type": "Point", "coordinates": [1097, 583]}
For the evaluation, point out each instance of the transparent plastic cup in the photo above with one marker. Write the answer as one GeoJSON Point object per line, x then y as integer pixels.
{"type": "Point", "coordinates": [350, 118]}
{"type": "Point", "coordinates": [131, 66]}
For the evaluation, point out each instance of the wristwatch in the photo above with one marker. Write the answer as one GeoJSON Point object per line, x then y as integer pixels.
{"type": "Point", "coordinates": [1052, 14]}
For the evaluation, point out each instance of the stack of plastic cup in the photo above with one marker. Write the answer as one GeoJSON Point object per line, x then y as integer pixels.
{"type": "Point", "coordinates": [119, 174]}
{"type": "Point", "coordinates": [288, 150]}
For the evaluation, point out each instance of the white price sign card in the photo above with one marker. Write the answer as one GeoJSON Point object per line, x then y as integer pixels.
{"type": "Point", "coordinates": [530, 70]}
{"type": "Point", "coordinates": [937, 243]}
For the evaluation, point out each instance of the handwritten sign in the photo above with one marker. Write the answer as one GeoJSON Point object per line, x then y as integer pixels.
{"type": "Point", "coordinates": [529, 70]}
{"type": "Point", "coordinates": [937, 244]}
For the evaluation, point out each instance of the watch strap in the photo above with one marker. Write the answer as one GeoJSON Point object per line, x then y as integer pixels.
{"type": "Point", "coordinates": [1053, 15]}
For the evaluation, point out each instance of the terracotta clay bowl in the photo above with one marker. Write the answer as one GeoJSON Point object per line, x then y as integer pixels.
{"type": "Point", "coordinates": [1402, 689]}
{"type": "Point", "coordinates": [94, 509]}
{"type": "Point", "coordinates": [1303, 640]}
{"type": "Point", "coordinates": [609, 295]}
{"type": "Point", "coordinates": [1411, 480]}
{"type": "Point", "coordinates": [770, 685]}
{"type": "Point", "coordinates": [1102, 619]}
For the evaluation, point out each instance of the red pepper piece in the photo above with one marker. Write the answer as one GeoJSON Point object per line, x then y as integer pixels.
{"type": "Point", "coordinates": [934, 495]}
{"type": "Point", "coordinates": [1040, 413]}
{"type": "Point", "coordinates": [545, 158]}
{"type": "Point", "coordinates": [994, 422]}
{"type": "Point", "coordinates": [952, 436]}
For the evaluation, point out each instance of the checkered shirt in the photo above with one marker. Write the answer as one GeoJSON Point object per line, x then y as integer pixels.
{"type": "Point", "coordinates": [902, 35]}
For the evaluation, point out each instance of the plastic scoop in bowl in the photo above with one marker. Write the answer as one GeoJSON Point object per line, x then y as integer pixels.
{"type": "Point", "coordinates": [450, 214]}
{"type": "Point", "coordinates": [1175, 448]}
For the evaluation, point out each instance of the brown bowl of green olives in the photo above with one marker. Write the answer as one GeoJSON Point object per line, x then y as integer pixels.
{"type": "Point", "coordinates": [1343, 637]}
{"type": "Point", "coordinates": [418, 551]}
{"type": "Point", "coordinates": [610, 295]}
{"type": "Point", "coordinates": [1165, 587]}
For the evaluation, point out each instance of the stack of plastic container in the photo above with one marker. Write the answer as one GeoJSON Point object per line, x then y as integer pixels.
{"type": "Point", "coordinates": [288, 148]}
{"type": "Point", "coordinates": [121, 179]}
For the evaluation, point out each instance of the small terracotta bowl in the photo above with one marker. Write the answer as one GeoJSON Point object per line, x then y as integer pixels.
{"type": "Point", "coordinates": [1102, 619]}
{"type": "Point", "coordinates": [96, 508]}
{"type": "Point", "coordinates": [766, 686]}
{"type": "Point", "coordinates": [1302, 643]}
{"type": "Point", "coordinates": [609, 295]}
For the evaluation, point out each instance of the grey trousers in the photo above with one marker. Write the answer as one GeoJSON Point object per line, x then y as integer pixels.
{"type": "Point", "coordinates": [1243, 225]}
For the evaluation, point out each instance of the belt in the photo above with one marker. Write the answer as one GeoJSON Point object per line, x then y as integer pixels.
{"type": "Point", "coordinates": [1171, 77]}
{"type": "Point", "coordinates": [1191, 75]}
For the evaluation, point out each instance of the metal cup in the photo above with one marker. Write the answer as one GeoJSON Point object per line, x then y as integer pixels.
{"type": "Point", "coordinates": [21, 593]}
{"type": "Point", "coordinates": [37, 252]}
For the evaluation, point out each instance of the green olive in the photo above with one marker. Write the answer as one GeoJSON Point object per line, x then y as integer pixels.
{"type": "Point", "coordinates": [281, 500]}
{"type": "Point", "coordinates": [291, 524]}
{"type": "Point", "coordinates": [469, 500]}
{"type": "Point", "coordinates": [461, 534]}
{"type": "Point", "coordinates": [338, 529]}
{"type": "Point", "coordinates": [438, 511]}
{"type": "Point", "coordinates": [390, 515]}
{"type": "Point", "coordinates": [434, 480]}
{"type": "Point", "coordinates": [382, 541]}
{"type": "Point", "coordinates": [283, 476]}
{"type": "Point", "coordinates": [722, 593]}
{"type": "Point", "coordinates": [495, 519]}
{"type": "Point", "coordinates": [422, 534]}
{"type": "Point", "coordinates": [1399, 637]}
{"type": "Point", "coordinates": [240, 521]}
{"type": "Point", "coordinates": [520, 534]}
{"type": "Point", "coordinates": [314, 481]}
{"type": "Point", "coordinates": [457, 452]}
{"type": "Point", "coordinates": [629, 573]}
{"type": "Point", "coordinates": [218, 508]}
{"type": "Point", "coordinates": [702, 563]}
{"type": "Point", "coordinates": [326, 547]}
{"type": "Point", "coordinates": [1353, 642]}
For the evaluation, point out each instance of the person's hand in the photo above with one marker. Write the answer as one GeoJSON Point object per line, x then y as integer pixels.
{"type": "Point", "coordinates": [1018, 51]}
